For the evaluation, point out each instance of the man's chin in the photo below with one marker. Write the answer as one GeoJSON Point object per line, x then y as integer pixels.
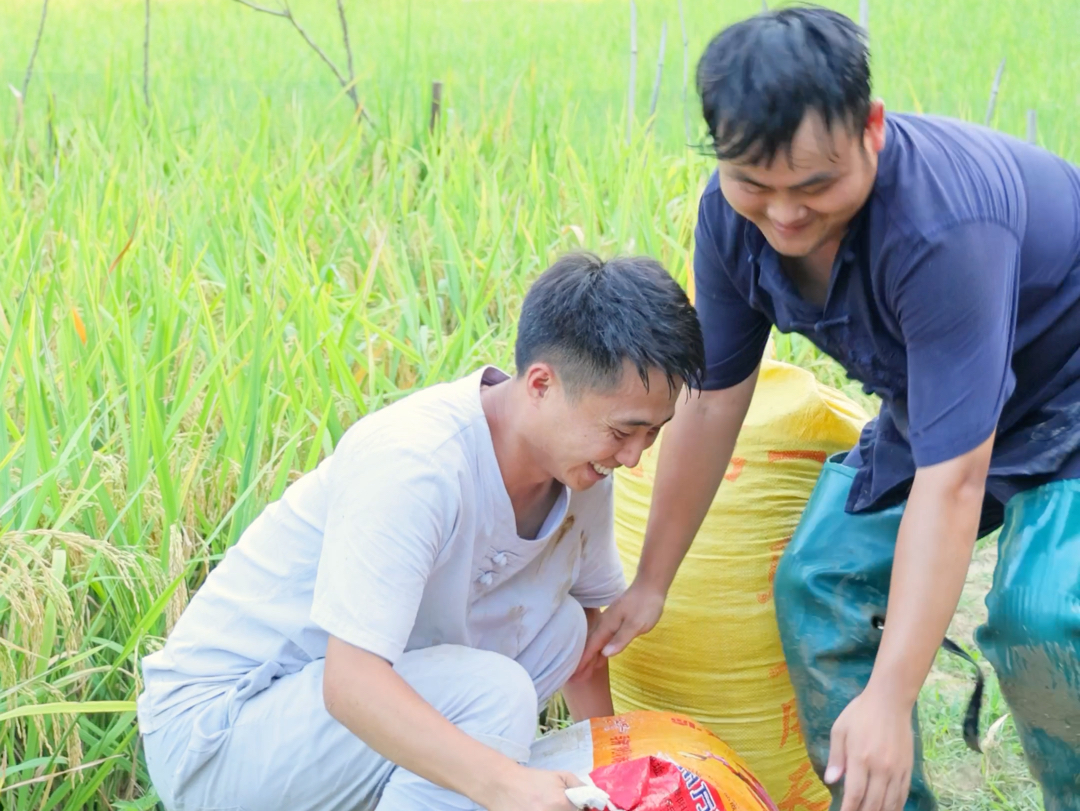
{"type": "Point", "coordinates": [794, 248]}
{"type": "Point", "coordinates": [796, 245]}
{"type": "Point", "coordinates": [578, 479]}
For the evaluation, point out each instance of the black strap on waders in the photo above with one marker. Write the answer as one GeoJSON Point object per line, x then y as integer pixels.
{"type": "Point", "coordinates": [971, 716]}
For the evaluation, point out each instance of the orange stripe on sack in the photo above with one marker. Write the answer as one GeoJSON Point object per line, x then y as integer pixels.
{"type": "Point", "coordinates": [779, 670]}
{"type": "Point", "coordinates": [777, 548]}
{"type": "Point", "coordinates": [802, 783]}
{"type": "Point", "coordinates": [735, 469]}
{"type": "Point", "coordinates": [784, 456]}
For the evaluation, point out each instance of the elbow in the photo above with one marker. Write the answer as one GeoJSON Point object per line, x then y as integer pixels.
{"type": "Point", "coordinates": [348, 672]}
{"type": "Point", "coordinates": [331, 690]}
{"type": "Point", "coordinates": [961, 482]}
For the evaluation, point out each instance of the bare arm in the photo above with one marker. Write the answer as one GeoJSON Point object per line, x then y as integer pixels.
{"type": "Point", "coordinates": [590, 696]}
{"type": "Point", "coordinates": [406, 730]}
{"type": "Point", "coordinates": [872, 743]}
{"type": "Point", "coordinates": [696, 450]}
{"type": "Point", "coordinates": [695, 454]}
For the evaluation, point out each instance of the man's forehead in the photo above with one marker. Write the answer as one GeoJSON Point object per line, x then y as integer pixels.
{"type": "Point", "coordinates": [813, 148]}
{"type": "Point", "coordinates": [634, 415]}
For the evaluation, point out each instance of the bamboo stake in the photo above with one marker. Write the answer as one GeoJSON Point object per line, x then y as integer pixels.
{"type": "Point", "coordinates": [994, 92]}
{"type": "Point", "coordinates": [146, 58]}
{"type": "Point", "coordinates": [436, 104]}
{"type": "Point", "coordinates": [633, 72]}
{"type": "Point", "coordinates": [685, 71]}
{"type": "Point", "coordinates": [659, 74]}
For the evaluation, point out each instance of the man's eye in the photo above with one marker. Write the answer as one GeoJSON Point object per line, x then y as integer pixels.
{"type": "Point", "coordinates": [619, 434]}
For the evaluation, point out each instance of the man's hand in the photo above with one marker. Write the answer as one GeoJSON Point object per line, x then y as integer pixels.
{"type": "Point", "coordinates": [634, 613]}
{"type": "Point", "coordinates": [695, 453]}
{"type": "Point", "coordinates": [872, 744]}
{"type": "Point", "coordinates": [526, 789]}
{"type": "Point", "coordinates": [872, 749]}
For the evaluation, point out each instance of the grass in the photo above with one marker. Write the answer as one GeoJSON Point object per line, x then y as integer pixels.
{"type": "Point", "coordinates": [196, 298]}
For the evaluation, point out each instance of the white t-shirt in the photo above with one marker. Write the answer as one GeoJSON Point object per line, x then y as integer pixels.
{"type": "Point", "coordinates": [404, 538]}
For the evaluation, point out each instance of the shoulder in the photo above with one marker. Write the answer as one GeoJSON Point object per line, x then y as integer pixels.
{"type": "Point", "coordinates": [433, 430]}
{"type": "Point", "coordinates": [936, 173]}
{"type": "Point", "coordinates": [721, 234]}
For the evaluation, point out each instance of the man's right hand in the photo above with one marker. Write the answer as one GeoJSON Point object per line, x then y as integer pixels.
{"type": "Point", "coordinates": [525, 789]}
{"type": "Point", "coordinates": [634, 613]}
{"type": "Point", "coordinates": [694, 454]}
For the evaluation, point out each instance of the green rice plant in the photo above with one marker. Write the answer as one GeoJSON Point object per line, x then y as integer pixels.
{"type": "Point", "coordinates": [198, 298]}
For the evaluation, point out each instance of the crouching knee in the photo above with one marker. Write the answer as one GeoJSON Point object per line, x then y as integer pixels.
{"type": "Point", "coordinates": [487, 695]}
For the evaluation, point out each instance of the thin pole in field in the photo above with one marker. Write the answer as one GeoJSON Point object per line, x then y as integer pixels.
{"type": "Point", "coordinates": [764, 6]}
{"type": "Point", "coordinates": [348, 85]}
{"type": "Point", "coordinates": [20, 96]}
{"type": "Point", "coordinates": [864, 15]}
{"type": "Point", "coordinates": [1032, 128]}
{"type": "Point", "coordinates": [146, 58]}
{"type": "Point", "coordinates": [436, 104]}
{"type": "Point", "coordinates": [685, 71]}
{"type": "Point", "coordinates": [633, 72]}
{"type": "Point", "coordinates": [994, 92]}
{"type": "Point", "coordinates": [351, 87]}
{"type": "Point", "coordinates": [659, 74]}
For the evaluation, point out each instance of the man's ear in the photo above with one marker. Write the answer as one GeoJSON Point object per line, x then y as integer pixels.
{"type": "Point", "coordinates": [540, 379]}
{"type": "Point", "coordinates": [874, 133]}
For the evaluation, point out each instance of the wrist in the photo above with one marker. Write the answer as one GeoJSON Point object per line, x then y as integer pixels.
{"type": "Point", "coordinates": [894, 687]}
{"type": "Point", "coordinates": [494, 782]}
{"type": "Point", "coordinates": [651, 582]}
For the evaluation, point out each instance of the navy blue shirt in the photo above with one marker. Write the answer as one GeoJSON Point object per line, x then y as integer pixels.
{"type": "Point", "coordinates": [955, 297]}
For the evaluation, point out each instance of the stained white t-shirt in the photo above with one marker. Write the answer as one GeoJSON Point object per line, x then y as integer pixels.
{"type": "Point", "coordinates": [404, 538]}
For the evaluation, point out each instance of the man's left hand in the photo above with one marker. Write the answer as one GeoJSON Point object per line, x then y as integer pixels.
{"type": "Point", "coordinates": [872, 749]}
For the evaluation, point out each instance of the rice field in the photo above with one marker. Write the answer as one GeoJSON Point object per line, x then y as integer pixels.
{"type": "Point", "coordinates": [208, 272]}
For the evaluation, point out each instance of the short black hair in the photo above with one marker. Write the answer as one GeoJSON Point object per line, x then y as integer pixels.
{"type": "Point", "coordinates": [760, 77]}
{"type": "Point", "coordinates": [587, 317]}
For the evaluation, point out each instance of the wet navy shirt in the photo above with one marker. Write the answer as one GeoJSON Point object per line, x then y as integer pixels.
{"type": "Point", "coordinates": [955, 297]}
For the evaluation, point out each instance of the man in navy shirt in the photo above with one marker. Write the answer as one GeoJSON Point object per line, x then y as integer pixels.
{"type": "Point", "coordinates": [939, 263]}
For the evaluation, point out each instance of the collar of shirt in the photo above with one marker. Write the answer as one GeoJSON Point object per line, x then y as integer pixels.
{"type": "Point", "coordinates": [793, 313]}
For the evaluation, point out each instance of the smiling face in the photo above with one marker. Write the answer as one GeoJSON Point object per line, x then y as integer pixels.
{"type": "Point", "coordinates": [803, 202]}
{"type": "Point", "coordinates": [581, 438]}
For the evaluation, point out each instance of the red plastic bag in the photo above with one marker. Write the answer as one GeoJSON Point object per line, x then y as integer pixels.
{"type": "Point", "coordinates": [655, 784]}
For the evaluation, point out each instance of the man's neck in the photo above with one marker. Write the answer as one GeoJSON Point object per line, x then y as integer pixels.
{"type": "Point", "coordinates": [526, 481]}
{"type": "Point", "coordinates": [811, 273]}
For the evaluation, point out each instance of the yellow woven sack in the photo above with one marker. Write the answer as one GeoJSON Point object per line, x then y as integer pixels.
{"type": "Point", "coordinates": [716, 655]}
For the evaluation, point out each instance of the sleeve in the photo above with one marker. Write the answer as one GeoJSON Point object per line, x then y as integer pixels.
{"type": "Point", "coordinates": [600, 574]}
{"type": "Point", "coordinates": [735, 333]}
{"type": "Point", "coordinates": [956, 306]}
{"type": "Point", "coordinates": [388, 517]}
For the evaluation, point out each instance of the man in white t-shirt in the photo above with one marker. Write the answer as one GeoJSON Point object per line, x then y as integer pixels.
{"type": "Point", "coordinates": [384, 634]}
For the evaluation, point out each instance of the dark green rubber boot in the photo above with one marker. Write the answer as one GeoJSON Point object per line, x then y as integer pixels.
{"type": "Point", "coordinates": [1032, 635]}
{"type": "Point", "coordinates": [832, 586]}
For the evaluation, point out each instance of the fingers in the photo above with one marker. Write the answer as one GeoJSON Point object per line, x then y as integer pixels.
{"type": "Point", "coordinates": [838, 768]}
{"type": "Point", "coordinates": [855, 780]}
{"type": "Point", "coordinates": [905, 789]}
{"type": "Point", "coordinates": [894, 800]}
{"type": "Point", "coordinates": [877, 785]}
{"type": "Point", "coordinates": [570, 780]}
{"type": "Point", "coordinates": [597, 640]}
{"type": "Point", "coordinates": [622, 637]}
{"type": "Point", "coordinates": [837, 756]}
